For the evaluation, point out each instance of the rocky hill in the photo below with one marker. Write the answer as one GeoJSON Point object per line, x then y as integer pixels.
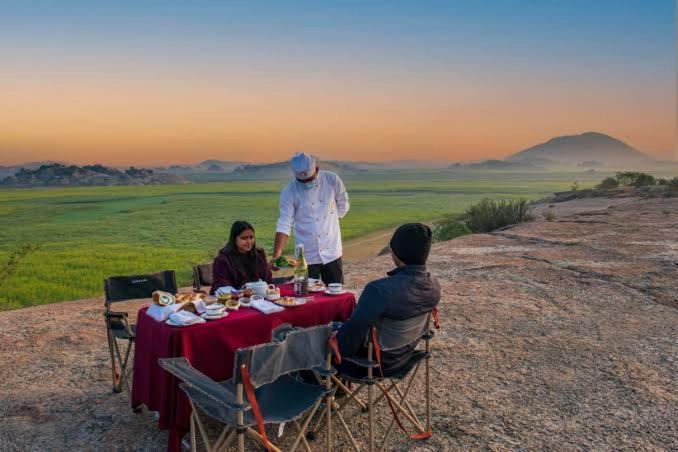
{"type": "Point", "coordinates": [56, 174]}
{"type": "Point", "coordinates": [577, 149]}
{"type": "Point", "coordinates": [555, 335]}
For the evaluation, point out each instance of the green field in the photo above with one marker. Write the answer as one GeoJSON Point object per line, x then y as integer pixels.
{"type": "Point", "coordinates": [78, 236]}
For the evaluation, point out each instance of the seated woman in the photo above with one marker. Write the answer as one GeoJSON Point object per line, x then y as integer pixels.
{"type": "Point", "coordinates": [240, 261]}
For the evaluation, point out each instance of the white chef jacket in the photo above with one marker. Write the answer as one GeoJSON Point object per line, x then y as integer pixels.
{"type": "Point", "coordinates": [315, 215]}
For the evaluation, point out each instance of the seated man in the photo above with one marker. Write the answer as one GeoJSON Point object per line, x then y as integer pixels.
{"type": "Point", "coordinates": [408, 292]}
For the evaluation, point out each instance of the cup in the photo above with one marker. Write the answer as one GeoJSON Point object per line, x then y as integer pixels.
{"type": "Point", "coordinates": [214, 310]}
{"type": "Point", "coordinates": [255, 298]}
{"type": "Point", "coordinates": [335, 287]}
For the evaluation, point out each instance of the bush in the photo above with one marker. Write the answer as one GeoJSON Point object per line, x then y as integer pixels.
{"type": "Point", "coordinates": [608, 184]}
{"type": "Point", "coordinates": [673, 187]}
{"type": "Point", "coordinates": [635, 178]}
{"type": "Point", "coordinates": [548, 214]}
{"type": "Point", "coordinates": [489, 215]}
{"type": "Point", "coordinates": [449, 228]}
{"type": "Point", "coordinates": [574, 186]}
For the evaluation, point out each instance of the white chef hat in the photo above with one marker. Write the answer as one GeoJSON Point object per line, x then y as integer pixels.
{"type": "Point", "coordinates": [303, 165]}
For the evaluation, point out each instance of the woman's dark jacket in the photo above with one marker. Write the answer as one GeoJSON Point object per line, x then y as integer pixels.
{"type": "Point", "coordinates": [227, 271]}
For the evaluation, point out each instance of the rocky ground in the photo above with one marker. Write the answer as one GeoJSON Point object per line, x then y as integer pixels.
{"type": "Point", "coordinates": [559, 335]}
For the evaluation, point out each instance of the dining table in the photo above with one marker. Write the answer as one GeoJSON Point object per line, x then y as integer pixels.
{"type": "Point", "coordinates": [210, 348]}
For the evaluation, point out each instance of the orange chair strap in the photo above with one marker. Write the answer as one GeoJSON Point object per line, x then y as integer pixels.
{"type": "Point", "coordinates": [377, 353]}
{"type": "Point", "coordinates": [249, 389]}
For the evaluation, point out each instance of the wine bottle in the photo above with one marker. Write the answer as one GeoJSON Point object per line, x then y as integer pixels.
{"type": "Point", "coordinates": [301, 273]}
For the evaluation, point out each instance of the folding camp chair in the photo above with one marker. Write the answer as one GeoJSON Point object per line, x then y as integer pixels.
{"type": "Point", "coordinates": [123, 288]}
{"type": "Point", "coordinates": [262, 372]}
{"type": "Point", "coordinates": [202, 276]}
{"type": "Point", "coordinates": [388, 335]}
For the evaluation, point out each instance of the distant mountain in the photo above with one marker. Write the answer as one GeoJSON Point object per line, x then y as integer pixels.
{"type": "Point", "coordinates": [282, 170]}
{"type": "Point", "coordinates": [61, 175]}
{"type": "Point", "coordinates": [207, 166]}
{"type": "Point", "coordinates": [10, 170]}
{"type": "Point", "coordinates": [496, 165]}
{"type": "Point", "coordinates": [587, 147]}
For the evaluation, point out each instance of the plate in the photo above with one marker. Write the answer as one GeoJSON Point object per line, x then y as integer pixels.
{"type": "Point", "coordinates": [315, 289]}
{"type": "Point", "coordinates": [297, 302]}
{"type": "Point", "coordinates": [206, 316]}
{"type": "Point", "coordinates": [343, 291]}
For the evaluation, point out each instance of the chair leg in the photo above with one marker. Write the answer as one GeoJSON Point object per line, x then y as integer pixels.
{"type": "Point", "coordinates": [114, 375]}
{"type": "Point", "coordinates": [427, 388]}
{"type": "Point", "coordinates": [370, 406]}
{"type": "Point", "coordinates": [194, 447]}
{"type": "Point", "coordinates": [305, 426]}
{"type": "Point", "coordinates": [403, 397]}
{"type": "Point", "coordinates": [301, 433]}
{"type": "Point", "coordinates": [241, 420]}
{"type": "Point", "coordinates": [255, 434]}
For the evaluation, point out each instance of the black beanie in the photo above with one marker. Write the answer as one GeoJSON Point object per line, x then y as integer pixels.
{"type": "Point", "coordinates": [411, 243]}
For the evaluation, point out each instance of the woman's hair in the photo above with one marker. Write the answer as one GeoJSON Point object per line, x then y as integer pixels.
{"type": "Point", "coordinates": [243, 263]}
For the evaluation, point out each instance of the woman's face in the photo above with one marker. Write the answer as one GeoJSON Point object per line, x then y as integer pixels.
{"type": "Point", "coordinates": [245, 241]}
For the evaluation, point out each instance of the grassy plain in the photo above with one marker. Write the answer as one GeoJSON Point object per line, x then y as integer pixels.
{"type": "Point", "coordinates": [81, 235]}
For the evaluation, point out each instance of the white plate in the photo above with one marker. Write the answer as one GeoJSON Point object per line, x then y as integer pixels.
{"type": "Point", "coordinates": [315, 289]}
{"type": "Point", "coordinates": [206, 316]}
{"type": "Point", "coordinates": [343, 291]}
{"type": "Point", "coordinates": [297, 302]}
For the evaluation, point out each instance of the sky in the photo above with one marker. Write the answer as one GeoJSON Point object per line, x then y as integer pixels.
{"type": "Point", "coordinates": [176, 82]}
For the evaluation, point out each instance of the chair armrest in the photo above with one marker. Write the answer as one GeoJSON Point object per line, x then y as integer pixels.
{"type": "Point", "coordinates": [117, 315]}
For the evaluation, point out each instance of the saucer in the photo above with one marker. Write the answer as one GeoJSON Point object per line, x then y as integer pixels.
{"type": "Point", "coordinates": [328, 292]}
{"type": "Point", "coordinates": [206, 316]}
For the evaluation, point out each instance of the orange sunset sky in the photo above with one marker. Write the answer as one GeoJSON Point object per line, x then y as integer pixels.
{"type": "Point", "coordinates": [126, 84]}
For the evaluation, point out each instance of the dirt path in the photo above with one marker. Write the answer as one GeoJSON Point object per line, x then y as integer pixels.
{"type": "Point", "coordinates": [368, 246]}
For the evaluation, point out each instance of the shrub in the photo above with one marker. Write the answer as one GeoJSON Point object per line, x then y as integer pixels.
{"type": "Point", "coordinates": [449, 228]}
{"type": "Point", "coordinates": [489, 215]}
{"type": "Point", "coordinates": [635, 178]}
{"type": "Point", "coordinates": [608, 183]}
{"type": "Point", "coordinates": [574, 186]}
{"type": "Point", "coordinates": [548, 214]}
{"type": "Point", "coordinates": [673, 187]}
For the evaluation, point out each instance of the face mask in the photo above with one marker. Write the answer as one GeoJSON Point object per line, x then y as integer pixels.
{"type": "Point", "coordinates": [309, 185]}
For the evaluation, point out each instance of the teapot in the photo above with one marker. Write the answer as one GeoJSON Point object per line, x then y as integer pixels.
{"type": "Point", "coordinates": [259, 287]}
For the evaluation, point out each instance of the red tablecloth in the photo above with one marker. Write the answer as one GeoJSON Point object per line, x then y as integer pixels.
{"type": "Point", "coordinates": [210, 348]}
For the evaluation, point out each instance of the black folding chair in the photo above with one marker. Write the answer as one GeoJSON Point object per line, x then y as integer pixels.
{"type": "Point", "coordinates": [123, 288]}
{"type": "Point", "coordinates": [264, 373]}
{"type": "Point", "coordinates": [388, 335]}
{"type": "Point", "coordinates": [202, 276]}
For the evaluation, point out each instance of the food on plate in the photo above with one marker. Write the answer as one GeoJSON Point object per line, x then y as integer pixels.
{"type": "Point", "coordinates": [284, 261]}
{"type": "Point", "coordinates": [190, 307]}
{"type": "Point", "coordinates": [224, 297]}
{"type": "Point", "coordinates": [287, 301]}
{"type": "Point", "coordinates": [232, 304]}
{"type": "Point", "coordinates": [184, 297]}
{"type": "Point", "coordinates": [163, 298]}
{"type": "Point", "coordinates": [247, 292]}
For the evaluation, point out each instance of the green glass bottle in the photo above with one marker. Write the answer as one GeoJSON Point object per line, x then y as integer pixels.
{"type": "Point", "coordinates": [301, 273]}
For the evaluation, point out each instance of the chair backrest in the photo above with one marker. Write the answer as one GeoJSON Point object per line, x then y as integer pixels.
{"type": "Point", "coordinates": [202, 275]}
{"type": "Point", "coordinates": [121, 288]}
{"type": "Point", "coordinates": [300, 349]}
{"type": "Point", "coordinates": [393, 334]}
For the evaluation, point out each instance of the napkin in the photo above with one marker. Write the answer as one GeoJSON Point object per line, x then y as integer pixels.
{"type": "Point", "coordinates": [183, 318]}
{"type": "Point", "coordinates": [161, 313]}
{"type": "Point", "coordinates": [266, 306]}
